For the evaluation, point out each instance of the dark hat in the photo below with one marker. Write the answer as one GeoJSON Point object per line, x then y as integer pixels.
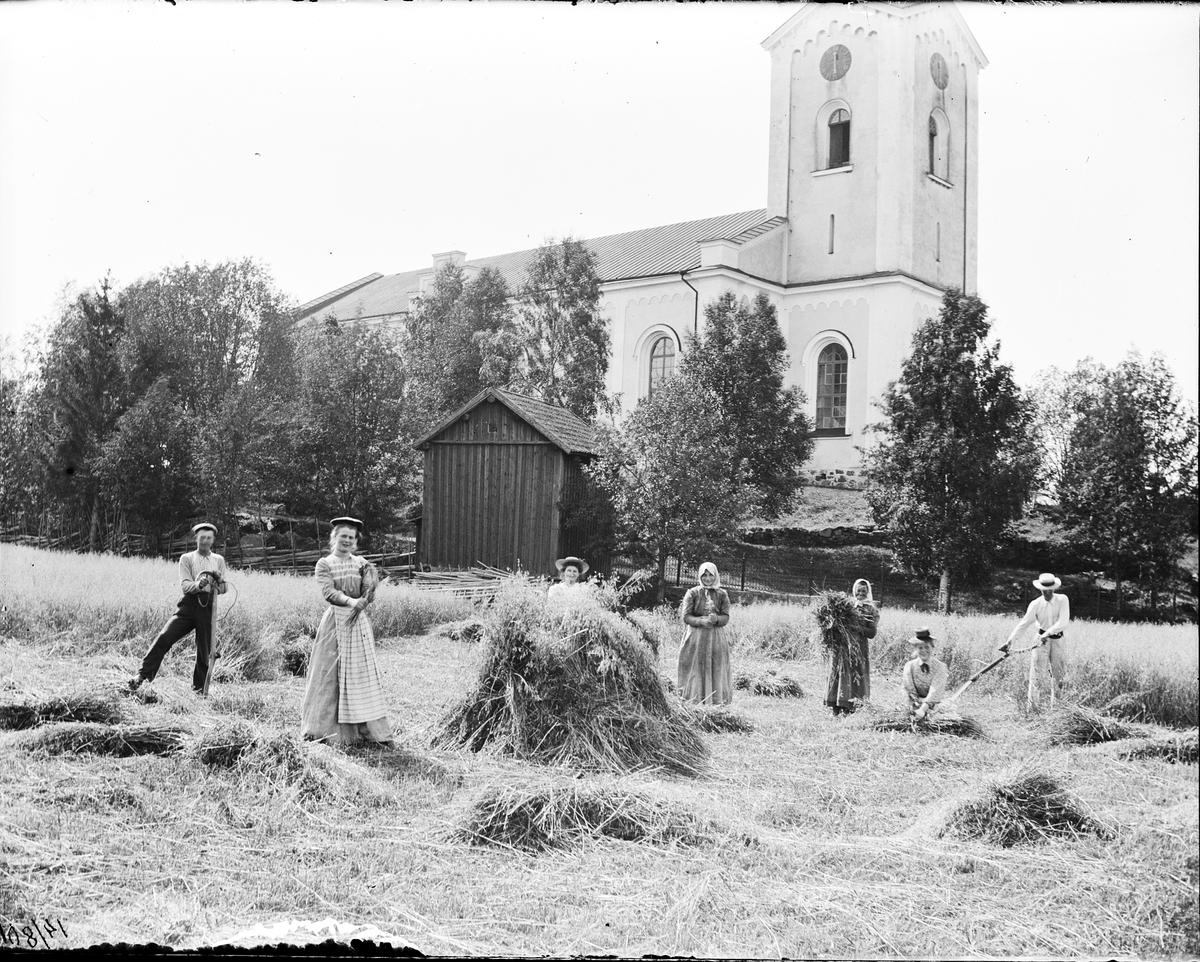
{"type": "Point", "coordinates": [572, 560]}
{"type": "Point", "coordinates": [353, 522]}
{"type": "Point", "coordinates": [202, 526]}
{"type": "Point", "coordinates": [922, 636]}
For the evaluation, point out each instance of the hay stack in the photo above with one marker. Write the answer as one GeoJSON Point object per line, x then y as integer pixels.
{"type": "Point", "coordinates": [1077, 725]}
{"type": "Point", "coordinates": [535, 817]}
{"type": "Point", "coordinates": [936, 723]}
{"type": "Point", "coordinates": [1174, 747]}
{"type": "Point", "coordinates": [769, 683]}
{"type": "Point", "coordinates": [78, 707]}
{"type": "Point", "coordinates": [90, 738]}
{"type": "Point", "coordinates": [713, 718]}
{"type": "Point", "coordinates": [570, 684]}
{"type": "Point", "coordinates": [1028, 806]}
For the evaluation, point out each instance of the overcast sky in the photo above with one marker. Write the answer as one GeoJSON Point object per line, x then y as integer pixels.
{"type": "Point", "coordinates": [335, 139]}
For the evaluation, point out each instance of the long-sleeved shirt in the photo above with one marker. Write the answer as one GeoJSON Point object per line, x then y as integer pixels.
{"type": "Point", "coordinates": [925, 687]}
{"type": "Point", "coordinates": [193, 563]}
{"type": "Point", "coordinates": [1051, 616]}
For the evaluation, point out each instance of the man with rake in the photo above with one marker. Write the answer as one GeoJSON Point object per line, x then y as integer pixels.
{"type": "Point", "coordinates": [1052, 612]}
{"type": "Point", "coordinates": [202, 578]}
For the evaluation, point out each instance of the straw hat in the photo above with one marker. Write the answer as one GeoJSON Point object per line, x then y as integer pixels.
{"type": "Point", "coordinates": [346, 519]}
{"type": "Point", "coordinates": [923, 636]}
{"type": "Point", "coordinates": [1047, 582]}
{"type": "Point", "coordinates": [572, 560]}
{"type": "Point", "coordinates": [204, 526]}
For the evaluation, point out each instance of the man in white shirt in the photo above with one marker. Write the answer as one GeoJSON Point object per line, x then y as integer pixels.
{"type": "Point", "coordinates": [202, 578]}
{"type": "Point", "coordinates": [1052, 613]}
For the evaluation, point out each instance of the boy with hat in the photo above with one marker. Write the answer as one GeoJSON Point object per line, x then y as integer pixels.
{"type": "Point", "coordinates": [202, 577]}
{"type": "Point", "coordinates": [925, 677]}
{"type": "Point", "coordinates": [1052, 613]}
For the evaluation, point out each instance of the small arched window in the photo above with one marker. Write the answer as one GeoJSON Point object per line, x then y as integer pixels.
{"type": "Point", "coordinates": [839, 138]}
{"type": "Point", "coordinates": [832, 368]}
{"type": "Point", "coordinates": [662, 362]}
{"type": "Point", "coordinates": [939, 145]}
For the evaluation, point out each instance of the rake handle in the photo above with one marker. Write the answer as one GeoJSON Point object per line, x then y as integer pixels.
{"type": "Point", "coordinates": [986, 668]}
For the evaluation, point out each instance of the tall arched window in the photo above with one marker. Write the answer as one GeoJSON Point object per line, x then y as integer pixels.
{"type": "Point", "coordinates": [832, 365]}
{"type": "Point", "coordinates": [939, 145]}
{"type": "Point", "coordinates": [839, 138]}
{"type": "Point", "coordinates": [662, 362]}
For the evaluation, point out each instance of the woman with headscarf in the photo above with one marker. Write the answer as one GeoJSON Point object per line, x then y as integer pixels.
{"type": "Point", "coordinates": [849, 681]}
{"type": "Point", "coordinates": [343, 699]}
{"type": "Point", "coordinates": [705, 675]}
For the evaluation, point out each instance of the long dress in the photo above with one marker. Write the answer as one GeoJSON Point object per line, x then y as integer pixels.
{"type": "Point", "coordinates": [848, 683]}
{"type": "Point", "coordinates": [705, 674]}
{"type": "Point", "coordinates": [343, 697]}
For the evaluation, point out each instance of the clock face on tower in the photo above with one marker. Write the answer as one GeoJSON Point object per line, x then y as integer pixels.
{"type": "Point", "coordinates": [835, 62]}
{"type": "Point", "coordinates": [939, 70]}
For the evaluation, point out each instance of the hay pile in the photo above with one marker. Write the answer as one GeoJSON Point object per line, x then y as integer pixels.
{"type": "Point", "coordinates": [943, 722]}
{"type": "Point", "coordinates": [570, 684]}
{"type": "Point", "coordinates": [77, 707]}
{"type": "Point", "coordinates": [1028, 806]}
{"type": "Point", "coordinates": [1077, 725]}
{"type": "Point", "coordinates": [1174, 747]}
{"type": "Point", "coordinates": [535, 817]}
{"type": "Point", "coordinates": [713, 718]}
{"type": "Point", "coordinates": [469, 630]}
{"type": "Point", "coordinates": [224, 745]}
{"type": "Point", "coordinates": [769, 683]}
{"type": "Point", "coordinates": [91, 738]}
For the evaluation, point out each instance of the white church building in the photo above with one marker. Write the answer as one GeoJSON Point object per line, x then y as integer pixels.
{"type": "Point", "coordinates": [871, 214]}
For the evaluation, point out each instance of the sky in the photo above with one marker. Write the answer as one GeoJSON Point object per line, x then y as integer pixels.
{"type": "Point", "coordinates": [332, 140]}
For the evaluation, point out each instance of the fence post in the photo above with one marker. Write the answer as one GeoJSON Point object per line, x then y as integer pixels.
{"type": "Point", "coordinates": [743, 571]}
{"type": "Point", "coordinates": [811, 564]}
{"type": "Point", "coordinates": [678, 563]}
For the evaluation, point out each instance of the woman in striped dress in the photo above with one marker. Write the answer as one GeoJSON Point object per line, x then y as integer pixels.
{"type": "Point", "coordinates": [343, 699]}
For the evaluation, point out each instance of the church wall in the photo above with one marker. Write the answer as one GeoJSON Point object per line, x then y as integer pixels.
{"type": "Point", "coordinates": [637, 317]}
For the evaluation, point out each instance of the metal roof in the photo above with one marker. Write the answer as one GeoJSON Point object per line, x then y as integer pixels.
{"type": "Point", "coordinates": [565, 428]}
{"type": "Point", "coordinates": [650, 252]}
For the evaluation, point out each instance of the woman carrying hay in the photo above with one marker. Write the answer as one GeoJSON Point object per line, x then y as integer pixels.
{"type": "Point", "coordinates": [705, 674]}
{"type": "Point", "coordinates": [343, 699]}
{"type": "Point", "coordinates": [847, 626]}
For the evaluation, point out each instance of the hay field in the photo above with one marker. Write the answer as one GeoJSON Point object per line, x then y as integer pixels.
{"type": "Point", "coordinates": [812, 837]}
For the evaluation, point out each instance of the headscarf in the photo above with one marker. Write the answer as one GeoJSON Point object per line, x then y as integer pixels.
{"type": "Point", "coordinates": [709, 566]}
{"type": "Point", "coordinates": [863, 581]}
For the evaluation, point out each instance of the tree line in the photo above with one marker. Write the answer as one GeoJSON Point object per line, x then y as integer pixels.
{"type": "Point", "coordinates": [195, 392]}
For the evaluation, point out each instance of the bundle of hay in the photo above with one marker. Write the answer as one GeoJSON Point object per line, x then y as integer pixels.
{"type": "Point", "coordinates": [570, 684]}
{"type": "Point", "coordinates": [77, 706]}
{"type": "Point", "coordinates": [1029, 806]}
{"type": "Point", "coordinates": [535, 817]}
{"type": "Point", "coordinates": [1077, 725]}
{"type": "Point", "coordinates": [90, 738]}
{"type": "Point", "coordinates": [469, 630]}
{"type": "Point", "coordinates": [769, 683]}
{"type": "Point", "coordinates": [713, 718]}
{"type": "Point", "coordinates": [945, 722]}
{"type": "Point", "coordinates": [837, 620]}
{"type": "Point", "coordinates": [225, 744]}
{"type": "Point", "coordinates": [1174, 747]}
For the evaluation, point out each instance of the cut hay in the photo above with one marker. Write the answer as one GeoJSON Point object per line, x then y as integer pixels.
{"type": "Point", "coordinates": [570, 684]}
{"type": "Point", "coordinates": [838, 622]}
{"type": "Point", "coordinates": [224, 745]}
{"type": "Point", "coordinates": [468, 630]}
{"type": "Point", "coordinates": [1174, 747]}
{"type": "Point", "coordinates": [936, 723]}
{"type": "Point", "coordinates": [90, 738]}
{"type": "Point", "coordinates": [539, 817]}
{"type": "Point", "coordinates": [714, 718]}
{"type": "Point", "coordinates": [1027, 807]}
{"type": "Point", "coordinates": [769, 683]}
{"type": "Point", "coordinates": [1076, 725]}
{"type": "Point", "coordinates": [77, 707]}
{"type": "Point", "coordinates": [646, 626]}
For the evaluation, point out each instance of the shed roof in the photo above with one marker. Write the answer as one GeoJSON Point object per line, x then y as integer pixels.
{"type": "Point", "coordinates": [649, 252]}
{"type": "Point", "coordinates": [565, 428]}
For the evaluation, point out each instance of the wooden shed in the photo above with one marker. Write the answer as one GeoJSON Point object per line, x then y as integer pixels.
{"type": "Point", "coordinates": [496, 474]}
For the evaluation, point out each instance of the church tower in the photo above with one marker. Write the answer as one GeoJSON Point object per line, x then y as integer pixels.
{"type": "Point", "coordinates": [873, 142]}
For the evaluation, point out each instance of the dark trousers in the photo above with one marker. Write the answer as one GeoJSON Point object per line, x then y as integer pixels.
{"type": "Point", "coordinates": [189, 616]}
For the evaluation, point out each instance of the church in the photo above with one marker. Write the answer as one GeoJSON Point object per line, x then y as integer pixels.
{"type": "Point", "coordinates": [871, 214]}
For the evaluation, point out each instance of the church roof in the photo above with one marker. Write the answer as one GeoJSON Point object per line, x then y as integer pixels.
{"type": "Point", "coordinates": [565, 428]}
{"type": "Point", "coordinates": [650, 252]}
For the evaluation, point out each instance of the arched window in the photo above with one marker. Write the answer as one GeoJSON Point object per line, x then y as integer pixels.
{"type": "Point", "coordinates": [939, 145]}
{"type": "Point", "coordinates": [832, 365]}
{"type": "Point", "coordinates": [839, 138]}
{"type": "Point", "coordinates": [662, 362]}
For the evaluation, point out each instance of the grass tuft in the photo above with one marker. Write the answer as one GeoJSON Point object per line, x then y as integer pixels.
{"type": "Point", "coordinates": [769, 683]}
{"type": "Point", "coordinates": [714, 718]}
{"type": "Point", "coordinates": [1027, 807]}
{"type": "Point", "coordinates": [538, 816]}
{"type": "Point", "coordinates": [1174, 747]}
